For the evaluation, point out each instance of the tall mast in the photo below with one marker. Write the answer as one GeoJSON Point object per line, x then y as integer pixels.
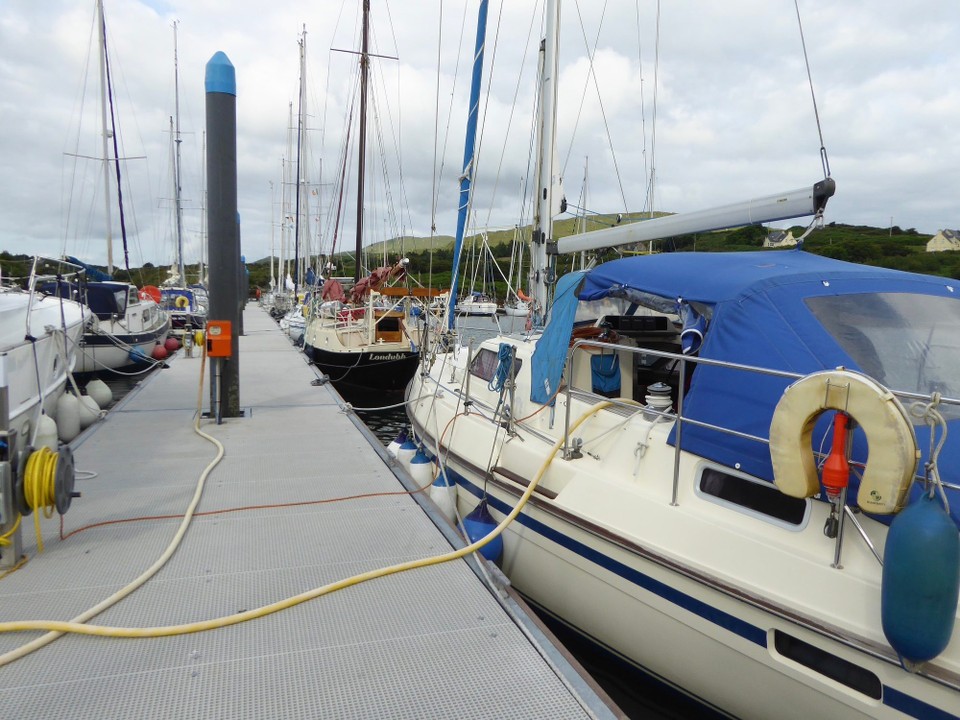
{"type": "Point", "coordinates": [542, 270]}
{"type": "Point", "coordinates": [466, 177]}
{"type": "Point", "coordinates": [301, 117]}
{"type": "Point", "coordinates": [273, 228]}
{"type": "Point", "coordinates": [101, 28]}
{"type": "Point", "coordinates": [285, 195]}
{"type": "Point", "coordinates": [303, 162]}
{"type": "Point", "coordinates": [364, 70]}
{"type": "Point", "coordinates": [203, 213]}
{"type": "Point", "coordinates": [176, 164]}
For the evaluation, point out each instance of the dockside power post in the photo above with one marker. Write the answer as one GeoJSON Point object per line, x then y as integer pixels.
{"type": "Point", "coordinates": [223, 242]}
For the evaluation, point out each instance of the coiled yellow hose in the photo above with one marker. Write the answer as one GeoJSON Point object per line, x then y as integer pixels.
{"type": "Point", "coordinates": [39, 486]}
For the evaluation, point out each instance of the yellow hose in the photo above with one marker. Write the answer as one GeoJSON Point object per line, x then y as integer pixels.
{"type": "Point", "coordinates": [5, 538]}
{"type": "Point", "coordinates": [39, 486]}
{"type": "Point", "coordinates": [165, 631]}
{"type": "Point", "coordinates": [78, 621]}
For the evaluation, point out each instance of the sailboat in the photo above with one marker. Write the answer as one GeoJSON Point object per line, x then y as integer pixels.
{"type": "Point", "coordinates": [186, 303]}
{"type": "Point", "coordinates": [517, 303]}
{"type": "Point", "coordinates": [370, 340]}
{"type": "Point", "coordinates": [39, 337]}
{"type": "Point", "coordinates": [126, 325]}
{"type": "Point", "coordinates": [663, 458]}
{"type": "Point", "coordinates": [293, 321]}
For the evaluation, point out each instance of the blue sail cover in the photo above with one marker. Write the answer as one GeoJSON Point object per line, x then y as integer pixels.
{"type": "Point", "coordinates": [93, 273]}
{"type": "Point", "coordinates": [551, 351]}
{"type": "Point", "coordinates": [759, 313]}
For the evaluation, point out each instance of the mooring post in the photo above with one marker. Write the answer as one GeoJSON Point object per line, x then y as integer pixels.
{"type": "Point", "coordinates": [223, 240]}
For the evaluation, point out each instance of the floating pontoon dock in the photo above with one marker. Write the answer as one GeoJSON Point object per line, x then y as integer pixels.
{"type": "Point", "coordinates": [434, 642]}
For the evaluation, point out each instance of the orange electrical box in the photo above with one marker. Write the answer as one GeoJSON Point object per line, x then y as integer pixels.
{"type": "Point", "coordinates": [219, 342]}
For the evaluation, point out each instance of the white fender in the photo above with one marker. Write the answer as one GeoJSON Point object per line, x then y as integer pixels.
{"type": "Point", "coordinates": [891, 443]}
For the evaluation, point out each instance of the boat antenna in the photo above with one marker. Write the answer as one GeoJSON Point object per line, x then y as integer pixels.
{"type": "Point", "coordinates": [825, 162]}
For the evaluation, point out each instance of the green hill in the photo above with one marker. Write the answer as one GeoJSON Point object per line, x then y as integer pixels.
{"type": "Point", "coordinates": [885, 247]}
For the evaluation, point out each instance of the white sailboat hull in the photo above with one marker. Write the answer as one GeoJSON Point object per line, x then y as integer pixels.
{"type": "Point", "coordinates": [475, 307]}
{"type": "Point", "coordinates": [37, 371]}
{"type": "Point", "coordinates": [114, 343]}
{"type": "Point", "coordinates": [601, 547]}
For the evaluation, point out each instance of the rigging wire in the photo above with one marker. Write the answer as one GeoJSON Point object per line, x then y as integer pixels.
{"type": "Point", "coordinates": [436, 136]}
{"type": "Point", "coordinates": [652, 178]}
{"type": "Point", "coordinates": [404, 200]}
{"type": "Point", "coordinates": [824, 161]}
{"type": "Point", "coordinates": [513, 106]}
{"type": "Point", "coordinates": [591, 72]}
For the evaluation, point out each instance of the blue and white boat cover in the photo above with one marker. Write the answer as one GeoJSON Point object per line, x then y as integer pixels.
{"type": "Point", "coordinates": [792, 311]}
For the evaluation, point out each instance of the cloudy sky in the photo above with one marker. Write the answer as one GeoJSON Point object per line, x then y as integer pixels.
{"type": "Point", "coordinates": [718, 105]}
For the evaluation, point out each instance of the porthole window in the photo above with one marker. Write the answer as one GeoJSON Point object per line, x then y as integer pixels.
{"type": "Point", "coordinates": [756, 497]}
{"type": "Point", "coordinates": [829, 665]}
{"type": "Point", "coordinates": [485, 363]}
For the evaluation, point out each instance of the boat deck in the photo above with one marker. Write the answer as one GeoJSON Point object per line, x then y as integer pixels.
{"type": "Point", "coordinates": [432, 642]}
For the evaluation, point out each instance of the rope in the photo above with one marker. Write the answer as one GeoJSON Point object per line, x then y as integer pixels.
{"type": "Point", "coordinates": [929, 413]}
{"type": "Point", "coordinates": [504, 363]}
{"type": "Point", "coordinates": [78, 621]}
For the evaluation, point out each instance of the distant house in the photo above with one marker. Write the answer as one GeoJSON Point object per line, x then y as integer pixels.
{"type": "Point", "coordinates": [780, 238]}
{"type": "Point", "coordinates": [944, 240]}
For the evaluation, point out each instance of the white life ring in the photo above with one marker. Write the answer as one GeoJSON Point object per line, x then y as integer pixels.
{"type": "Point", "coordinates": [892, 445]}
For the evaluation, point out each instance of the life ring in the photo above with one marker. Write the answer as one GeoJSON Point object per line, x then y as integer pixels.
{"type": "Point", "coordinates": [892, 444]}
{"type": "Point", "coordinates": [182, 302]}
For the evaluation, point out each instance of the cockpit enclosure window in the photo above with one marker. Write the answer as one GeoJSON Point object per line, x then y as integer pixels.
{"type": "Point", "coordinates": [907, 342]}
{"type": "Point", "coordinates": [121, 297]}
{"type": "Point", "coordinates": [589, 310]}
{"type": "Point", "coordinates": [485, 362]}
{"type": "Point", "coordinates": [755, 497]}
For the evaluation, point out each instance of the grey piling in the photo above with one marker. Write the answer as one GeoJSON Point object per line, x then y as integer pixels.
{"type": "Point", "coordinates": [223, 241]}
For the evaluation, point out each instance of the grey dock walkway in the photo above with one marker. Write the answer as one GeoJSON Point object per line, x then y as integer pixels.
{"type": "Point", "coordinates": [430, 643]}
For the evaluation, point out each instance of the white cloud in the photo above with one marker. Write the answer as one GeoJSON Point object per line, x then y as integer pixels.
{"type": "Point", "coordinates": [734, 117]}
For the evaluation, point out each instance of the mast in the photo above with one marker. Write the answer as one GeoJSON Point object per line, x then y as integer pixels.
{"type": "Point", "coordinates": [102, 33]}
{"type": "Point", "coordinates": [273, 228]}
{"type": "Point", "coordinates": [466, 177]}
{"type": "Point", "coordinates": [176, 164]}
{"type": "Point", "coordinates": [542, 270]}
{"type": "Point", "coordinates": [297, 279]}
{"type": "Point", "coordinates": [285, 201]}
{"type": "Point", "coordinates": [364, 71]}
{"type": "Point", "coordinates": [203, 213]}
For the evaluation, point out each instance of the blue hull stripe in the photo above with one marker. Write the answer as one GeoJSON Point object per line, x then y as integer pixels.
{"type": "Point", "coordinates": [907, 704]}
{"type": "Point", "coordinates": [698, 607]}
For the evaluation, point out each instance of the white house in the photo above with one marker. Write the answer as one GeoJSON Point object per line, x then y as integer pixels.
{"type": "Point", "coordinates": [779, 238]}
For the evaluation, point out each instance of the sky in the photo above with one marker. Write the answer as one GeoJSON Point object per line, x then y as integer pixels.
{"type": "Point", "coordinates": [712, 101]}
